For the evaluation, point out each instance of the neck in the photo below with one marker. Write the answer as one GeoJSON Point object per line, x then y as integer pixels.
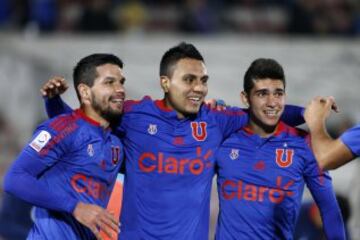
{"type": "Point", "coordinates": [91, 113]}
{"type": "Point", "coordinates": [169, 106]}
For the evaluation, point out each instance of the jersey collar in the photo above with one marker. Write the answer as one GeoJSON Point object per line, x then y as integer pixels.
{"type": "Point", "coordinates": [82, 115]}
{"type": "Point", "coordinates": [280, 128]}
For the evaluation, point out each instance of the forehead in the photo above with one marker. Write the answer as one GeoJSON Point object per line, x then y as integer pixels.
{"type": "Point", "coordinates": [109, 70]}
{"type": "Point", "coordinates": [268, 84]}
{"type": "Point", "coordinates": [190, 66]}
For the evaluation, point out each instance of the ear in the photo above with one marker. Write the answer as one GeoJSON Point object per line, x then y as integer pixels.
{"type": "Point", "coordinates": [84, 92]}
{"type": "Point", "coordinates": [165, 83]}
{"type": "Point", "coordinates": [244, 98]}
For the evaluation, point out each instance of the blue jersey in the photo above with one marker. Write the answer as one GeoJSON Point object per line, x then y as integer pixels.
{"type": "Point", "coordinates": [169, 169]}
{"type": "Point", "coordinates": [170, 166]}
{"type": "Point", "coordinates": [70, 158]}
{"type": "Point", "coordinates": [351, 138]}
{"type": "Point", "coordinates": [261, 182]}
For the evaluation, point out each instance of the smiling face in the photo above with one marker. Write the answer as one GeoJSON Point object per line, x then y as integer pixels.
{"type": "Point", "coordinates": [105, 99]}
{"type": "Point", "coordinates": [186, 89]}
{"type": "Point", "coordinates": [266, 101]}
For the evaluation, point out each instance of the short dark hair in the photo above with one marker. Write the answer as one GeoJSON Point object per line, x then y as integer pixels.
{"type": "Point", "coordinates": [263, 68]}
{"type": "Point", "coordinates": [174, 54]}
{"type": "Point", "coordinates": [85, 70]}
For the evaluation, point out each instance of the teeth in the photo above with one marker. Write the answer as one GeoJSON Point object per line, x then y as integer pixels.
{"type": "Point", "coordinates": [270, 113]}
{"type": "Point", "coordinates": [118, 100]}
{"type": "Point", "coordinates": [195, 98]}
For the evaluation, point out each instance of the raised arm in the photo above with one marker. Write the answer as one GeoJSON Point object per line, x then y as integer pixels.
{"type": "Point", "coordinates": [51, 92]}
{"type": "Point", "coordinates": [330, 153]}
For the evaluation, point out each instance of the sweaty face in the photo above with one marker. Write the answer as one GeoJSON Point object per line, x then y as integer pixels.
{"type": "Point", "coordinates": [187, 87]}
{"type": "Point", "coordinates": [108, 93]}
{"type": "Point", "coordinates": [266, 104]}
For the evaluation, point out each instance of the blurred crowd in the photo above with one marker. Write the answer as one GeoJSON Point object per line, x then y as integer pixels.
{"type": "Point", "coordinates": [305, 17]}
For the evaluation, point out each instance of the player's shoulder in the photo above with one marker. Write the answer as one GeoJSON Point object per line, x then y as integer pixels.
{"type": "Point", "coordinates": [130, 105]}
{"type": "Point", "coordinates": [297, 136]}
{"type": "Point", "coordinates": [291, 131]}
{"type": "Point", "coordinates": [67, 122]}
{"type": "Point", "coordinates": [226, 111]}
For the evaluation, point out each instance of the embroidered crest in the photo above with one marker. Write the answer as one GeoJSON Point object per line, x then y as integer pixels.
{"type": "Point", "coordinates": [234, 154]}
{"type": "Point", "coordinates": [152, 129]}
{"type": "Point", "coordinates": [90, 150]}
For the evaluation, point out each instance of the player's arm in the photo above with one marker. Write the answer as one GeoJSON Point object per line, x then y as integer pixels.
{"type": "Point", "coordinates": [23, 181]}
{"type": "Point", "coordinates": [51, 92]}
{"type": "Point", "coordinates": [320, 186]}
{"type": "Point", "coordinates": [330, 153]}
{"type": "Point", "coordinates": [293, 115]}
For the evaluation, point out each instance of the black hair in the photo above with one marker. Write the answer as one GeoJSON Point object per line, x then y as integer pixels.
{"type": "Point", "coordinates": [174, 54]}
{"type": "Point", "coordinates": [85, 70]}
{"type": "Point", "coordinates": [263, 68]}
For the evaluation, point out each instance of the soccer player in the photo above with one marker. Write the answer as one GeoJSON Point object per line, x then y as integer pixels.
{"type": "Point", "coordinates": [262, 168]}
{"type": "Point", "coordinates": [169, 145]}
{"type": "Point", "coordinates": [330, 153]}
{"type": "Point", "coordinates": [69, 167]}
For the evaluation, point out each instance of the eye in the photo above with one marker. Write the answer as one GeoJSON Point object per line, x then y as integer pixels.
{"type": "Point", "coordinates": [204, 80]}
{"type": "Point", "coordinates": [261, 93]}
{"type": "Point", "coordinates": [279, 94]}
{"type": "Point", "coordinates": [109, 81]}
{"type": "Point", "coordinates": [188, 79]}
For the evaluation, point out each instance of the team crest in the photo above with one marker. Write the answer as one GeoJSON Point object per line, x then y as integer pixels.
{"type": "Point", "coordinates": [198, 129]}
{"type": "Point", "coordinates": [234, 154]}
{"type": "Point", "coordinates": [152, 129]}
{"type": "Point", "coordinates": [280, 161]}
{"type": "Point", "coordinates": [90, 150]}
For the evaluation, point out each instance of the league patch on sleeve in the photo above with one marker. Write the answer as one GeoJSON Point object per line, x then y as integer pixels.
{"type": "Point", "coordinates": [40, 141]}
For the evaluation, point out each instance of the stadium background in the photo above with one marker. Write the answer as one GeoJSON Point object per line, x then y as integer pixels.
{"type": "Point", "coordinates": [316, 41]}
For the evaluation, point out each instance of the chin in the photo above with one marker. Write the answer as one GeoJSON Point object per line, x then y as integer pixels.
{"type": "Point", "coordinates": [194, 111]}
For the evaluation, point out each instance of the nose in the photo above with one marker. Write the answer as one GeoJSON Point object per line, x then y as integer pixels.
{"type": "Point", "coordinates": [199, 86]}
{"type": "Point", "coordinates": [272, 100]}
{"type": "Point", "coordinates": [119, 87]}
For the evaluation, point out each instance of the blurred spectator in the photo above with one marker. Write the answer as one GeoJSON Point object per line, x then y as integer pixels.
{"type": "Point", "coordinates": [4, 11]}
{"type": "Point", "coordinates": [44, 14]}
{"type": "Point", "coordinates": [303, 15]}
{"type": "Point", "coordinates": [198, 16]}
{"type": "Point", "coordinates": [309, 226]}
{"type": "Point", "coordinates": [310, 17]}
{"type": "Point", "coordinates": [131, 16]}
{"type": "Point", "coordinates": [97, 17]}
{"type": "Point", "coordinates": [322, 17]}
{"type": "Point", "coordinates": [69, 15]}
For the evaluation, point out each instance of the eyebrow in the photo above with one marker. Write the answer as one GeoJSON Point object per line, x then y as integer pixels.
{"type": "Point", "coordinates": [267, 90]}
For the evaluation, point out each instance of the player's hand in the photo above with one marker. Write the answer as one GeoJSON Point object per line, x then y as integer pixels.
{"type": "Point", "coordinates": [217, 104]}
{"type": "Point", "coordinates": [54, 86]}
{"type": "Point", "coordinates": [318, 110]}
{"type": "Point", "coordinates": [96, 218]}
